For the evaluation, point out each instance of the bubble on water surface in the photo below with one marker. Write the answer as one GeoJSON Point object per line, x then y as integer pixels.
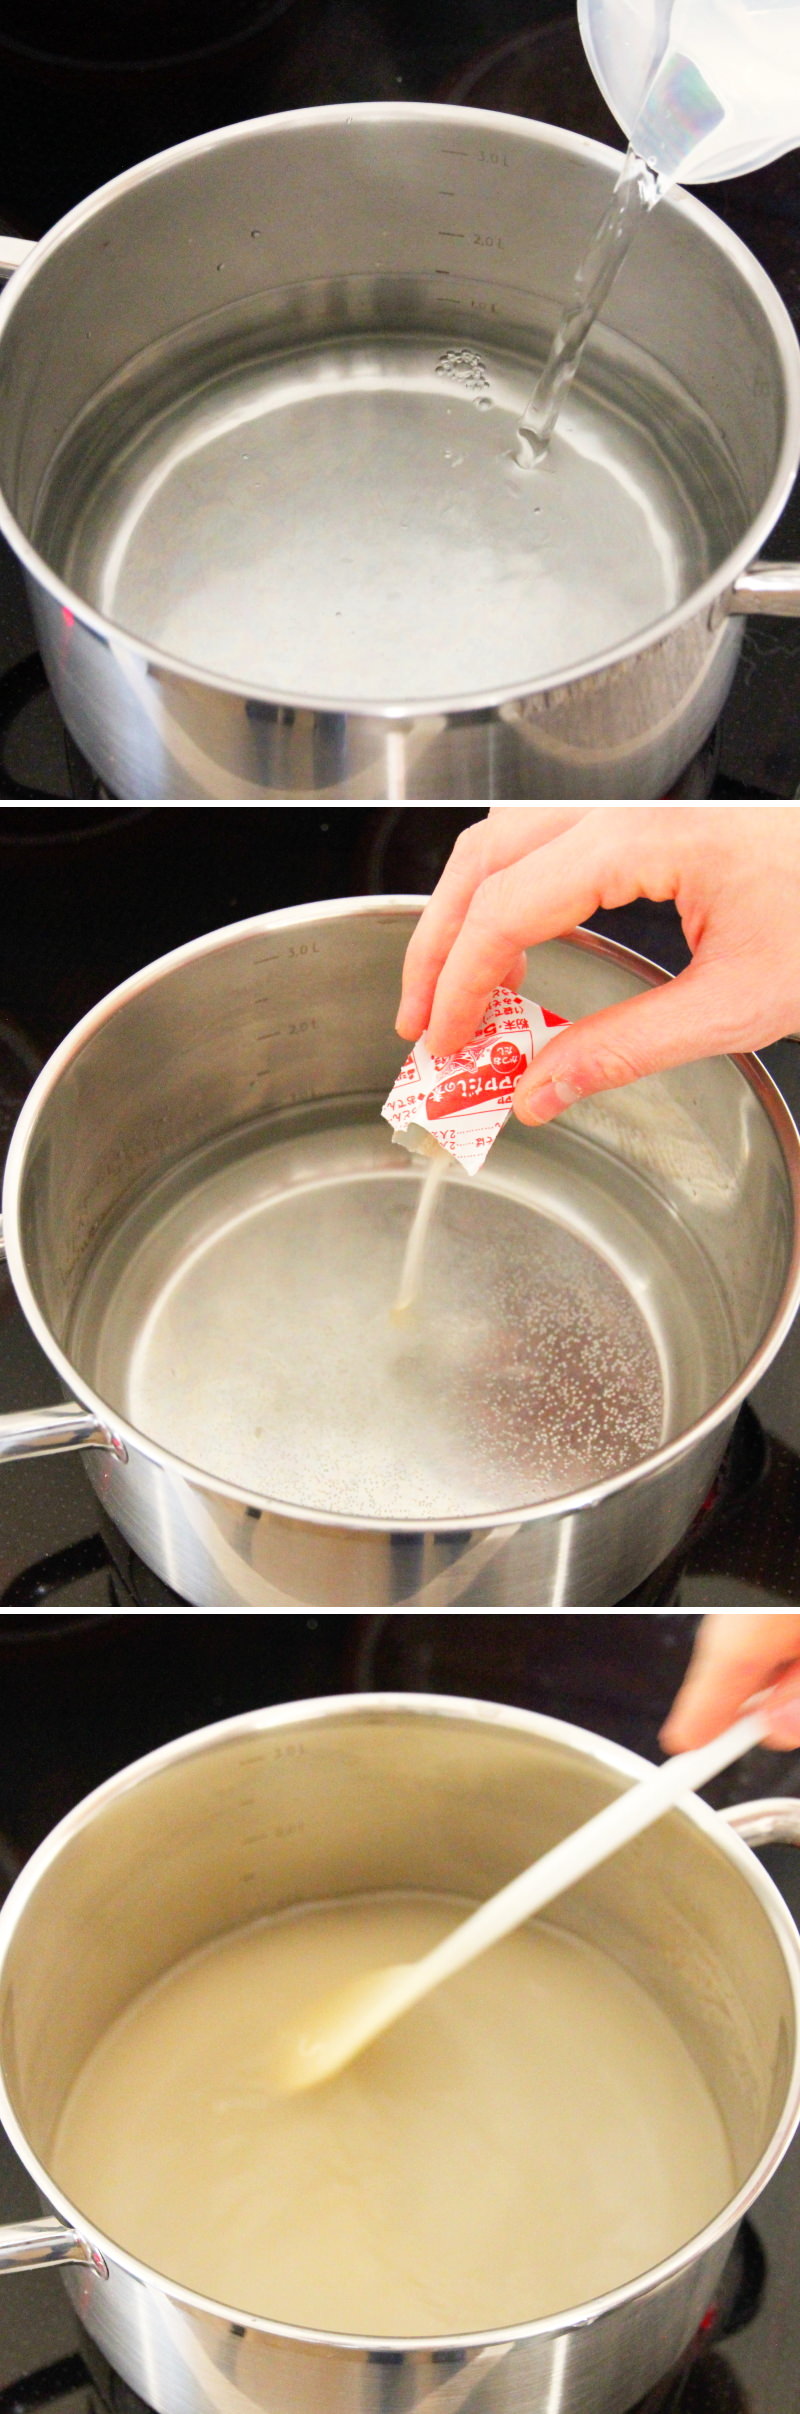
{"type": "Point", "coordinates": [464, 368]}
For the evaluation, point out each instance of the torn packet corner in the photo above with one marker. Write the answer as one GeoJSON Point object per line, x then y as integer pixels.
{"type": "Point", "coordinates": [461, 1102]}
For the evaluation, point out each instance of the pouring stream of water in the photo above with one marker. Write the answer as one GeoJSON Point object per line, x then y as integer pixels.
{"type": "Point", "coordinates": [637, 189]}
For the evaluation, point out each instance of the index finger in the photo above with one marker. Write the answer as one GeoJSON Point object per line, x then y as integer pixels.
{"type": "Point", "coordinates": [606, 857]}
{"type": "Point", "coordinates": [542, 897]}
{"type": "Point", "coordinates": [485, 847]}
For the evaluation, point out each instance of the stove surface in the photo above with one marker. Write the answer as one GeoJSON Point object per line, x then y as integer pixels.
{"type": "Point", "coordinates": [523, 56]}
{"type": "Point", "coordinates": [82, 1696]}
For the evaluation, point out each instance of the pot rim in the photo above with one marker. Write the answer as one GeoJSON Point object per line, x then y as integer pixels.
{"type": "Point", "coordinates": [155, 660]}
{"type": "Point", "coordinates": [139, 1445]}
{"type": "Point", "coordinates": [616, 1759]}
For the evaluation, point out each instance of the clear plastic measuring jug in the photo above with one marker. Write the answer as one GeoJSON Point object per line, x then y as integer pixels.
{"type": "Point", "coordinates": [703, 88]}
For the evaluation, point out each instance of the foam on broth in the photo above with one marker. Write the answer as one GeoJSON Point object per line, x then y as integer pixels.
{"type": "Point", "coordinates": [532, 2135]}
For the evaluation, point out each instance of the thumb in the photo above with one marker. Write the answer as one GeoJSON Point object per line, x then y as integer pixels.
{"type": "Point", "coordinates": [666, 1026]}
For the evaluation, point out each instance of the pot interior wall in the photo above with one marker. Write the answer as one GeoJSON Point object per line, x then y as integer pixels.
{"type": "Point", "coordinates": [278, 233]}
{"type": "Point", "coordinates": [293, 1019]}
{"type": "Point", "coordinates": [349, 1798]}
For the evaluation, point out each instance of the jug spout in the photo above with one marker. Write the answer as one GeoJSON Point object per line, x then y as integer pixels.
{"type": "Point", "coordinates": [703, 88]}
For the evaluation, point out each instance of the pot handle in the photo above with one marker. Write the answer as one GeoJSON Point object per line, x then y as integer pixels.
{"type": "Point", "coordinates": [12, 254]}
{"type": "Point", "coordinates": [775, 1820]}
{"type": "Point", "coordinates": [41, 1432]}
{"type": "Point", "coordinates": [27, 2246]}
{"type": "Point", "coordinates": [771, 587]}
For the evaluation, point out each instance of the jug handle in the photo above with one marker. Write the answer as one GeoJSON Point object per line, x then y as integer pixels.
{"type": "Point", "coordinates": [767, 587]}
{"type": "Point", "coordinates": [36, 2245]}
{"type": "Point", "coordinates": [42, 1432]}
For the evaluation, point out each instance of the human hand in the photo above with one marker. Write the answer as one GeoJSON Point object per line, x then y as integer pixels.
{"type": "Point", "coordinates": [734, 1657]}
{"type": "Point", "coordinates": [525, 875]}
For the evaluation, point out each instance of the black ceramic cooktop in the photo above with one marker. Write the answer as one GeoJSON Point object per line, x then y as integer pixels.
{"type": "Point", "coordinates": [85, 92]}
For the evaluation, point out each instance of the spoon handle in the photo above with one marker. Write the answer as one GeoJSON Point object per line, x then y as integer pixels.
{"type": "Point", "coordinates": [583, 1850]}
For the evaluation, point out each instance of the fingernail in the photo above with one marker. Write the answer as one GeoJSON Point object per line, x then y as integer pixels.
{"type": "Point", "coordinates": [408, 1023]}
{"type": "Point", "coordinates": [538, 1106]}
{"type": "Point", "coordinates": [784, 1728]}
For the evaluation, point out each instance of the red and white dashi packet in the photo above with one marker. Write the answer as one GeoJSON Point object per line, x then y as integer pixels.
{"type": "Point", "coordinates": [463, 1101]}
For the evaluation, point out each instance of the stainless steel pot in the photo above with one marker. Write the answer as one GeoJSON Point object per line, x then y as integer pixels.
{"type": "Point", "coordinates": [256, 297]}
{"type": "Point", "coordinates": [257, 1058]}
{"type": "Point", "coordinates": [351, 1795]}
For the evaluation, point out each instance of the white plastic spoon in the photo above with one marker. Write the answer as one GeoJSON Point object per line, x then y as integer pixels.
{"type": "Point", "coordinates": [342, 2024]}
